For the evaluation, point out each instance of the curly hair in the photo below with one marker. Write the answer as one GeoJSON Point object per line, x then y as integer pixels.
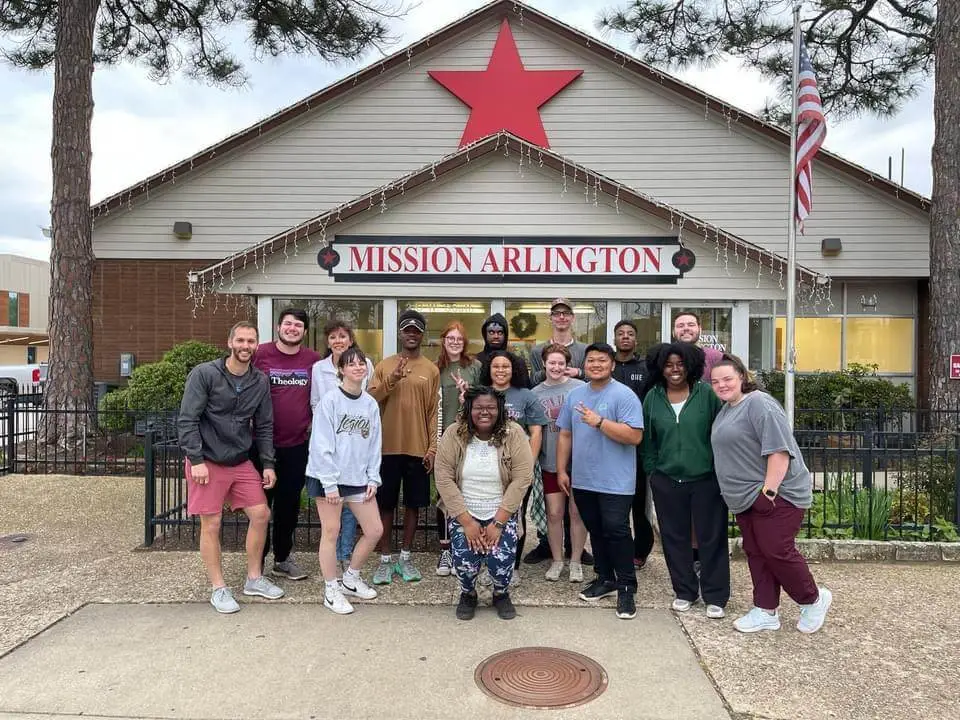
{"type": "Point", "coordinates": [748, 383]}
{"type": "Point", "coordinates": [466, 430]}
{"type": "Point", "coordinates": [693, 358]}
{"type": "Point", "coordinates": [516, 377]}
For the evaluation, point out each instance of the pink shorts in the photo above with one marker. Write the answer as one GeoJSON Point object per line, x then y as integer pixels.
{"type": "Point", "coordinates": [240, 485]}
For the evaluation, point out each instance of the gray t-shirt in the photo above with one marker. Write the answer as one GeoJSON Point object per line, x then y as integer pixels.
{"type": "Point", "coordinates": [538, 372]}
{"type": "Point", "coordinates": [742, 438]}
{"type": "Point", "coordinates": [552, 397]}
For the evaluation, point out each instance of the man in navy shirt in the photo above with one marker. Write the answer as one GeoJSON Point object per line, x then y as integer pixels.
{"type": "Point", "coordinates": [601, 424]}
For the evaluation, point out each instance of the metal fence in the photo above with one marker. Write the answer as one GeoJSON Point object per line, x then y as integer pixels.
{"type": "Point", "coordinates": [876, 474]}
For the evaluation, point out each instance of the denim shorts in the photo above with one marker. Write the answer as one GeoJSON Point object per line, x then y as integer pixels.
{"type": "Point", "coordinates": [349, 493]}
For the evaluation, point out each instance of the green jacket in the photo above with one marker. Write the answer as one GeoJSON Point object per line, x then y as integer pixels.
{"type": "Point", "coordinates": [679, 447]}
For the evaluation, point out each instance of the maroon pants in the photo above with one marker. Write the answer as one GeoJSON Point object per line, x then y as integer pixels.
{"type": "Point", "coordinates": [769, 532]}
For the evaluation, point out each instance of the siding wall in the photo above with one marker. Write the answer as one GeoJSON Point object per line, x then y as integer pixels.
{"type": "Point", "coordinates": [26, 275]}
{"type": "Point", "coordinates": [490, 197]}
{"type": "Point", "coordinates": [608, 120]}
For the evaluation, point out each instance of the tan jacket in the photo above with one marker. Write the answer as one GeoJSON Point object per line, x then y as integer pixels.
{"type": "Point", "coordinates": [516, 469]}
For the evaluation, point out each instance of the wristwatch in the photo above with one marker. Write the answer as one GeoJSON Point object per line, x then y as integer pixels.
{"type": "Point", "coordinates": [499, 524]}
{"type": "Point", "coordinates": [599, 424]}
{"type": "Point", "coordinates": [770, 493]}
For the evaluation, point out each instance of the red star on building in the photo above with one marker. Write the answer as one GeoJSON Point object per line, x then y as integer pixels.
{"type": "Point", "coordinates": [505, 96]}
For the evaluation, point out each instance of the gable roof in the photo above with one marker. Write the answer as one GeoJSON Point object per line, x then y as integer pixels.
{"type": "Point", "coordinates": [214, 277]}
{"type": "Point", "coordinates": [497, 10]}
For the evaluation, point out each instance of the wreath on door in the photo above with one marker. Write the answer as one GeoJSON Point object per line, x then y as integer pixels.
{"type": "Point", "coordinates": [523, 325]}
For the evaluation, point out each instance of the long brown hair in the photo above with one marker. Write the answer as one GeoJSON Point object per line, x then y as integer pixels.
{"type": "Point", "coordinates": [444, 360]}
{"type": "Point", "coordinates": [747, 382]}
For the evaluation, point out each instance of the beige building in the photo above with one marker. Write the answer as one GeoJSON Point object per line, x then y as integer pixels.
{"type": "Point", "coordinates": [425, 181]}
{"type": "Point", "coordinates": [24, 304]}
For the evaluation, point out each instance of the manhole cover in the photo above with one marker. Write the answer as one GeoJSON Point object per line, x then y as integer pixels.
{"type": "Point", "coordinates": [541, 677]}
{"type": "Point", "coordinates": [12, 541]}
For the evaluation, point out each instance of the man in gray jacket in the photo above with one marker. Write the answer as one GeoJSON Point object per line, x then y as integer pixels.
{"type": "Point", "coordinates": [226, 404]}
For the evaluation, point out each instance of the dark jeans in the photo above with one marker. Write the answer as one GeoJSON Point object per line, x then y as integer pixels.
{"type": "Point", "coordinates": [284, 497]}
{"type": "Point", "coordinates": [769, 541]}
{"type": "Point", "coordinates": [607, 519]}
{"type": "Point", "coordinates": [642, 529]}
{"type": "Point", "coordinates": [698, 502]}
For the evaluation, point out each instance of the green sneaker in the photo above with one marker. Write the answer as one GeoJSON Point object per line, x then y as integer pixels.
{"type": "Point", "coordinates": [407, 570]}
{"type": "Point", "coordinates": [384, 573]}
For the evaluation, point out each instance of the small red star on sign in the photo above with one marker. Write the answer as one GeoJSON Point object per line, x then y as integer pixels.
{"type": "Point", "coordinates": [505, 96]}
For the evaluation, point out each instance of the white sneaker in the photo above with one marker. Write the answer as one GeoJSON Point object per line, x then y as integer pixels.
{"type": "Point", "coordinates": [333, 599]}
{"type": "Point", "coordinates": [553, 574]}
{"type": "Point", "coordinates": [757, 620]}
{"type": "Point", "coordinates": [576, 572]}
{"type": "Point", "coordinates": [681, 605]}
{"type": "Point", "coordinates": [355, 586]}
{"type": "Point", "coordinates": [812, 616]}
{"type": "Point", "coordinates": [715, 612]}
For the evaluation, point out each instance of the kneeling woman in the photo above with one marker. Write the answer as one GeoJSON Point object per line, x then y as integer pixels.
{"type": "Point", "coordinates": [344, 466]}
{"type": "Point", "coordinates": [483, 469]}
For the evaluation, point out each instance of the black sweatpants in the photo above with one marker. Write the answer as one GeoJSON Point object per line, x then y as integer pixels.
{"type": "Point", "coordinates": [698, 501]}
{"type": "Point", "coordinates": [284, 497]}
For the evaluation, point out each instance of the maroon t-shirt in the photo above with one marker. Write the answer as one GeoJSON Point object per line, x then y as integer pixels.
{"type": "Point", "coordinates": [289, 377]}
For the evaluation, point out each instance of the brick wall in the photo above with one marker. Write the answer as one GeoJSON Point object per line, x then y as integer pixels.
{"type": "Point", "coordinates": [141, 306]}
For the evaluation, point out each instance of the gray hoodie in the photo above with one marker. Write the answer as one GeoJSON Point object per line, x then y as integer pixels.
{"type": "Point", "coordinates": [220, 413]}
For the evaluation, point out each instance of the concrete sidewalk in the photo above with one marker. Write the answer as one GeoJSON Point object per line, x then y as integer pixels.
{"type": "Point", "coordinates": [179, 661]}
{"type": "Point", "coordinates": [891, 647]}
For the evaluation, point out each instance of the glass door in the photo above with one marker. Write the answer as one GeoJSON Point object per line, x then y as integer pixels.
{"type": "Point", "coordinates": [716, 324]}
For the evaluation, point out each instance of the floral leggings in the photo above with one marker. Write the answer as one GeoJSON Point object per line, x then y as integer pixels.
{"type": "Point", "coordinates": [467, 563]}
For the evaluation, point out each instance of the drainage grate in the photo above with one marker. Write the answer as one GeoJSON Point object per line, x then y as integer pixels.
{"type": "Point", "coordinates": [8, 542]}
{"type": "Point", "coordinates": [541, 677]}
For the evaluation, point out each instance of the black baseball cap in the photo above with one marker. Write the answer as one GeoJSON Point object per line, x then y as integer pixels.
{"type": "Point", "coordinates": [411, 318]}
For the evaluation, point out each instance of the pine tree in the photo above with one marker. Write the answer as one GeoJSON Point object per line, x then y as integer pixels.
{"type": "Point", "coordinates": [167, 36]}
{"type": "Point", "coordinates": [869, 56]}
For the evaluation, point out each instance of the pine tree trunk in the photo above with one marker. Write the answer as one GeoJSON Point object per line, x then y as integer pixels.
{"type": "Point", "coordinates": [69, 389]}
{"type": "Point", "coordinates": [945, 213]}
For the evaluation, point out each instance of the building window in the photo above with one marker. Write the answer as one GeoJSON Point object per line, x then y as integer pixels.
{"type": "Point", "coordinates": [887, 342]}
{"type": "Point", "coordinates": [470, 313]}
{"type": "Point", "coordinates": [364, 316]}
{"type": "Point", "coordinates": [818, 342]}
{"type": "Point", "coordinates": [648, 317]}
{"type": "Point", "coordinates": [528, 323]}
{"type": "Point", "coordinates": [13, 309]}
{"type": "Point", "coordinates": [715, 325]}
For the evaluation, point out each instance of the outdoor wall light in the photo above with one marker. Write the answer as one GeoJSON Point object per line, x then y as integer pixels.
{"type": "Point", "coordinates": [183, 230]}
{"type": "Point", "coordinates": [868, 303]}
{"type": "Point", "coordinates": [831, 247]}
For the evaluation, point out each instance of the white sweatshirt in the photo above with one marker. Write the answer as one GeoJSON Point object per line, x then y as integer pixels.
{"type": "Point", "coordinates": [324, 378]}
{"type": "Point", "coordinates": [345, 442]}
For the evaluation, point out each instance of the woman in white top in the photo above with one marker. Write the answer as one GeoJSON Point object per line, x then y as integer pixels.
{"type": "Point", "coordinates": [483, 469]}
{"type": "Point", "coordinates": [344, 467]}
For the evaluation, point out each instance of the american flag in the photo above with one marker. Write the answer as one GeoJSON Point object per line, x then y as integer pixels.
{"type": "Point", "coordinates": [811, 130]}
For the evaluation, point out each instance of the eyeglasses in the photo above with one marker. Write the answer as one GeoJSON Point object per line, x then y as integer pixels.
{"type": "Point", "coordinates": [453, 340]}
{"type": "Point", "coordinates": [562, 313]}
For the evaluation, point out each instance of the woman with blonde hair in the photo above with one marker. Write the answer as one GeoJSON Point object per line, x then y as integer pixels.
{"type": "Point", "coordinates": [458, 371]}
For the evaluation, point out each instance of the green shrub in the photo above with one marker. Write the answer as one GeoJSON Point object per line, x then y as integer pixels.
{"type": "Point", "coordinates": [856, 388]}
{"type": "Point", "coordinates": [155, 387]}
{"type": "Point", "coordinates": [932, 478]}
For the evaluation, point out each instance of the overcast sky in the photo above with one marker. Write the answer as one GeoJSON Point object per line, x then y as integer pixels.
{"type": "Point", "coordinates": [140, 127]}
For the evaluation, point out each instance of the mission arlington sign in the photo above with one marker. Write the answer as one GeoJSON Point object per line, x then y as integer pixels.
{"type": "Point", "coordinates": [368, 258]}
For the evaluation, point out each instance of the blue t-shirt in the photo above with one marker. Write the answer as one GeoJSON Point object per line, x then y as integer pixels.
{"type": "Point", "coordinates": [599, 463]}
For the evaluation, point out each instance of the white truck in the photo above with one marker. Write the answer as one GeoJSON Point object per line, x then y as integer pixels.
{"type": "Point", "coordinates": [23, 379]}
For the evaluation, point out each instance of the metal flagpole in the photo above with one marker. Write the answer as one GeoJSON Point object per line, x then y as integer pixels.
{"type": "Point", "coordinates": [790, 354]}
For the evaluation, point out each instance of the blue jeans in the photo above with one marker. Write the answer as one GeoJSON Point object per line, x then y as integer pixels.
{"type": "Point", "coordinates": [348, 534]}
{"type": "Point", "coordinates": [499, 561]}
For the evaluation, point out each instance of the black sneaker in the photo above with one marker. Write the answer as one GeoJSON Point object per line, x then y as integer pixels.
{"type": "Point", "coordinates": [598, 589]}
{"type": "Point", "coordinates": [467, 607]}
{"type": "Point", "coordinates": [504, 606]}
{"type": "Point", "coordinates": [540, 553]}
{"type": "Point", "coordinates": [626, 605]}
